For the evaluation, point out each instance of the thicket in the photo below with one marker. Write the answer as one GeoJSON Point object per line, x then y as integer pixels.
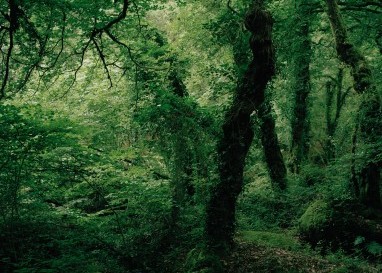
{"type": "Point", "coordinates": [116, 119]}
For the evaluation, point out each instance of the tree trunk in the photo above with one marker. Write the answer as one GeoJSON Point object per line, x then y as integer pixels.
{"type": "Point", "coordinates": [237, 131]}
{"type": "Point", "coordinates": [370, 116]}
{"type": "Point", "coordinates": [335, 100]}
{"type": "Point", "coordinates": [269, 140]}
{"type": "Point", "coordinates": [300, 121]}
{"type": "Point", "coordinates": [272, 152]}
{"type": "Point", "coordinates": [181, 181]}
{"type": "Point", "coordinates": [371, 134]}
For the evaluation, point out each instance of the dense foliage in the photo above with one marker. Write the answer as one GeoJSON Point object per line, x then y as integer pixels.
{"type": "Point", "coordinates": [190, 136]}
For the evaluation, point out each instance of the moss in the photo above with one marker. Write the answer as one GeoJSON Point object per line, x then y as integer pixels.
{"type": "Point", "coordinates": [316, 215]}
{"type": "Point", "coordinates": [338, 224]}
{"type": "Point", "coordinates": [270, 239]}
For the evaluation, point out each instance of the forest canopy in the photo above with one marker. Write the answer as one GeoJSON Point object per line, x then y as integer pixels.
{"type": "Point", "coordinates": [190, 136]}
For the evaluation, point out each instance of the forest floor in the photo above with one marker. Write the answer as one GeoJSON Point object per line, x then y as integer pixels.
{"type": "Point", "coordinates": [267, 252]}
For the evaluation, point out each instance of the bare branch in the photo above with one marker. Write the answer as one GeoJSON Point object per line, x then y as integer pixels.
{"type": "Point", "coordinates": [138, 16]}
{"type": "Point", "coordinates": [106, 27]}
{"type": "Point", "coordinates": [129, 50]}
{"type": "Point", "coordinates": [82, 53]}
{"type": "Point", "coordinates": [61, 41]}
{"type": "Point", "coordinates": [102, 57]}
{"type": "Point", "coordinates": [98, 31]}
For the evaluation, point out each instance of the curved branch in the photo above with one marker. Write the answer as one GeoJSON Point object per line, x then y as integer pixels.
{"type": "Point", "coordinates": [129, 50]}
{"type": "Point", "coordinates": [116, 20]}
{"type": "Point", "coordinates": [61, 41]}
{"type": "Point", "coordinates": [102, 57]}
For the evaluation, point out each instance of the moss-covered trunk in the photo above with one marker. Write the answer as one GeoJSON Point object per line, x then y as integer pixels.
{"type": "Point", "coordinates": [270, 143]}
{"type": "Point", "coordinates": [272, 152]}
{"type": "Point", "coordinates": [300, 120]}
{"type": "Point", "coordinates": [370, 115]}
{"type": "Point", "coordinates": [237, 131]}
{"type": "Point", "coordinates": [335, 100]}
{"type": "Point", "coordinates": [182, 170]}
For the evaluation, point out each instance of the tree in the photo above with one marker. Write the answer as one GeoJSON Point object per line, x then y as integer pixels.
{"type": "Point", "coordinates": [370, 116]}
{"type": "Point", "coordinates": [40, 44]}
{"type": "Point", "coordinates": [271, 147]}
{"type": "Point", "coordinates": [302, 85]}
{"type": "Point", "coordinates": [228, 31]}
{"type": "Point", "coordinates": [335, 98]}
{"type": "Point", "coordinates": [237, 133]}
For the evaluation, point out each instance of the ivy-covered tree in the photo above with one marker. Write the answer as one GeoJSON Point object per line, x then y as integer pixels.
{"type": "Point", "coordinates": [237, 129]}
{"type": "Point", "coordinates": [139, 157]}
{"type": "Point", "coordinates": [370, 115]}
{"type": "Point", "coordinates": [229, 31]}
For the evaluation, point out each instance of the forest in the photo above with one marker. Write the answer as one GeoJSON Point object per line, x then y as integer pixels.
{"type": "Point", "coordinates": [154, 136]}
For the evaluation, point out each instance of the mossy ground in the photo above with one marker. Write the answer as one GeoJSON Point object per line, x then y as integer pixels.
{"type": "Point", "coordinates": [282, 252]}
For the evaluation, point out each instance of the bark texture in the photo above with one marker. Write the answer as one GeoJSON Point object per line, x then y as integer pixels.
{"type": "Point", "coordinates": [347, 52]}
{"type": "Point", "coordinates": [237, 133]}
{"type": "Point", "coordinates": [300, 121]}
{"type": "Point", "coordinates": [370, 114]}
{"type": "Point", "coordinates": [266, 121]}
{"type": "Point", "coordinates": [272, 152]}
{"type": "Point", "coordinates": [335, 100]}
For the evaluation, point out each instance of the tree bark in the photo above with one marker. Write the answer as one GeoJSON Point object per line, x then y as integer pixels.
{"type": "Point", "coordinates": [272, 152]}
{"type": "Point", "coordinates": [14, 13]}
{"type": "Point", "coordinates": [370, 114]}
{"type": "Point", "coordinates": [269, 139]}
{"type": "Point", "coordinates": [335, 98]}
{"type": "Point", "coordinates": [181, 181]}
{"type": "Point", "coordinates": [300, 121]}
{"type": "Point", "coordinates": [237, 133]}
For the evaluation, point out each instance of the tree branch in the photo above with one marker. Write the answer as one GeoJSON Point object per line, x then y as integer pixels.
{"type": "Point", "coordinates": [129, 50]}
{"type": "Point", "coordinates": [106, 27]}
{"type": "Point", "coordinates": [102, 56]}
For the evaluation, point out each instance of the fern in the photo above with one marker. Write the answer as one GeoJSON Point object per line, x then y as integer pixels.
{"type": "Point", "coordinates": [374, 248]}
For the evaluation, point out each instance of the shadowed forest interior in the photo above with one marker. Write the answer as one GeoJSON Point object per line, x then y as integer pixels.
{"type": "Point", "coordinates": [159, 136]}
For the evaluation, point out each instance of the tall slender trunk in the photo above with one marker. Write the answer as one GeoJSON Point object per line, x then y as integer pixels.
{"type": "Point", "coordinates": [272, 152]}
{"type": "Point", "coordinates": [181, 181]}
{"type": "Point", "coordinates": [300, 121]}
{"type": "Point", "coordinates": [237, 131]}
{"type": "Point", "coordinates": [335, 98]}
{"type": "Point", "coordinates": [370, 114]}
